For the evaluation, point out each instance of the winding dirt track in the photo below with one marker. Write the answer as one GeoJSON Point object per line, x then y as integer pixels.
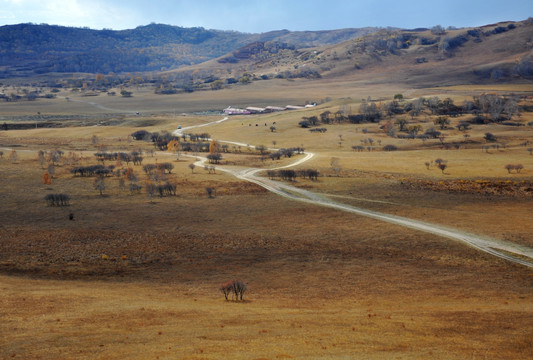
{"type": "Point", "coordinates": [498, 248]}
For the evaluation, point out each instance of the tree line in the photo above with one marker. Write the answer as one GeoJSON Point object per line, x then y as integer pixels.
{"type": "Point", "coordinates": [484, 108]}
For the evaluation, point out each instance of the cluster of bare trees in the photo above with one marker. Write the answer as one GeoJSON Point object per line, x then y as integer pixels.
{"type": "Point", "coordinates": [57, 199]}
{"type": "Point", "coordinates": [56, 157]}
{"type": "Point", "coordinates": [91, 170]}
{"type": "Point", "coordinates": [236, 288]}
{"type": "Point", "coordinates": [440, 163]}
{"type": "Point", "coordinates": [166, 189]}
{"type": "Point", "coordinates": [289, 152]}
{"type": "Point", "coordinates": [134, 156]}
{"type": "Point", "coordinates": [196, 137]}
{"type": "Point", "coordinates": [486, 107]}
{"type": "Point", "coordinates": [497, 107]}
{"type": "Point", "coordinates": [319, 130]}
{"type": "Point", "coordinates": [291, 175]}
{"type": "Point", "coordinates": [190, 142]}
{"type": "Point", "coordinates": [149, 169]}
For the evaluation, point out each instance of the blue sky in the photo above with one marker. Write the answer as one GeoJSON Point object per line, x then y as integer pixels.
{"type": "Point", "coordinates": [261, 16]}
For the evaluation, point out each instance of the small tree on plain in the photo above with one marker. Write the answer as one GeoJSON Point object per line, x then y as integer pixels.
{"type": "Point", "coordinates": [516, 167]}
{"type": "Point", "coordinates": [192, 166]}
{"type": "Point", "coordinates": [51, 170]}
{"type": "Point", "coordinates": [211, 193]}
{"type": "Point", "coordinates": [442, 167]}
{"type": "Point", "coordinates": [13, 156]}
{"type": "Point", "coordinates": [335, 165]}
{"type": "Point", "coordinates": [214, 158]}
{"type": "Point", "coordinates": [150, 190]}
{"type": "Point", "coordinates": [489, 137]}
{"type": "Point", "coordinates": [42, 159]}
{"type": "Point", "coordinates": [401, 122]}
{"type": "Point", "coordinates": [47, 179]}
{"type": "Point", "coordinates": [442, 121]}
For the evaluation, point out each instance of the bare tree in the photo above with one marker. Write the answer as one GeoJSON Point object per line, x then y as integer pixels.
{"type": "Point", "coordinates": [401, 122]}
{"type": "Point", "coordinates": [51, 170]}
{"type": "Point", "coordinates": [150, 190]}
{"type": "Point", "coordinates": [99, 184]}
{"type": "Point", "coordinates": [13, 156]}
{"type": "Point", "coordinates": [55, 156]}
{"type": "Point", "coordinates": [41, 158]}
{"type": "Point", "coordinates": [442, 121]}
{"type": "Point", "coordinates": [335, 165]}
{"type": "Point", "coordinates": [192, 166]}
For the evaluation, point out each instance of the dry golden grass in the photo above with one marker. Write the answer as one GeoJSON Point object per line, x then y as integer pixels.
{"type": "Point", "coordinates": [131, 278]}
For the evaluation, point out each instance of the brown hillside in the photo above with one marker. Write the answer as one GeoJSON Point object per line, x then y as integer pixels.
{"type": "Point", "coordinates": [491, 52]}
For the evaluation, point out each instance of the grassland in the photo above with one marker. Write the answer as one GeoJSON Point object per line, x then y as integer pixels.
{"type": "Point", "coordinates": [134, 278]}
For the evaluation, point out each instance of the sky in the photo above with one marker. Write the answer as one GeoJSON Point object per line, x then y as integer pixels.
{"type": "Point", "coordinates": [256, 16]}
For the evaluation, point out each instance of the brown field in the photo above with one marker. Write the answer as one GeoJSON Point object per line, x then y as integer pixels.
{"type": "Point", "coordinates": [138, 279]}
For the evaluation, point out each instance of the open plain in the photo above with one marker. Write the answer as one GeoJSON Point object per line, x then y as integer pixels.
{"type": "Point", "coordinates": [134, 276]}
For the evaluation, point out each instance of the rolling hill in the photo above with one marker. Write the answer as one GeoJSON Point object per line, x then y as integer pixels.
{"type": "Point", "coordinates": [29, 49]}
{"type": "Point", "coordinates": [176, 59]}
{"type": "Point", "coordinates": [496, 52]}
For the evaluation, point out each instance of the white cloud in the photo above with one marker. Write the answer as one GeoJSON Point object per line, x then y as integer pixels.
{"type": "Point", "coordinates": [79, 13]}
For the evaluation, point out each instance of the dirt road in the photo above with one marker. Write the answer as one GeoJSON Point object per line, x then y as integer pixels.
{"type": "Point", "coordinates": [512, 252]}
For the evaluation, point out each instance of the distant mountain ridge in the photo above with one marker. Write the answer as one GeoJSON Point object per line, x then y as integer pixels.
{"type": "Point", "coordinates": [29, 49]}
